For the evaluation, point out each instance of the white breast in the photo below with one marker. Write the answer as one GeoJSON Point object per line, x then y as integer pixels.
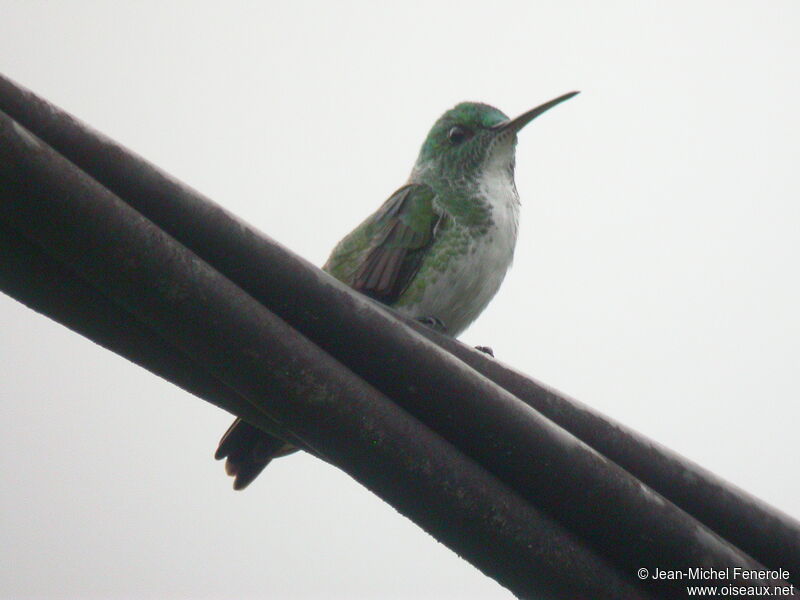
{"type": "Point", "coordinates": [472, 279]}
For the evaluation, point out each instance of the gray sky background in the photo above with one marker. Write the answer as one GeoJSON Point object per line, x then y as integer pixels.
{"type": "Point", "coordinates": [656, 274]}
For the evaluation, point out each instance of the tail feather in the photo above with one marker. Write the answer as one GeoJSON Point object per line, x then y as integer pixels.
{"type": "Point", "coordinates": [248, 450]}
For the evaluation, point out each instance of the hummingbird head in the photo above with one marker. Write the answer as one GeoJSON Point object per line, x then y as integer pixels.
{"type": "Point", "coordinates": [467, 139]}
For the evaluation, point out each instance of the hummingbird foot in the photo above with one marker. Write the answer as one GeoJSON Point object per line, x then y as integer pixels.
{"type": "Point", "coordinates": [485, 350]}
{"type": "Point", "coordinates": [434, 323]}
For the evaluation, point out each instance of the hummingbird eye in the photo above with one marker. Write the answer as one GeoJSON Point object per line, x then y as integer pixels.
{"type": "Point", "coordinates": [459, 134]}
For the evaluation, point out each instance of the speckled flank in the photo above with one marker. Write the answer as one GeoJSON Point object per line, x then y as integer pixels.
{"type": "Point", "coordinates": [471, 255]}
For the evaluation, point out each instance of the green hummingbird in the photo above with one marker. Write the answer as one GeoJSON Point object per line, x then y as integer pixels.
{"type": "Point", "coordinates": [437, 250]}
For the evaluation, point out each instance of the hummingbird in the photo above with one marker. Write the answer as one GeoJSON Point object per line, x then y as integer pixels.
{"type": "Point", "coordinates": [437, 250]}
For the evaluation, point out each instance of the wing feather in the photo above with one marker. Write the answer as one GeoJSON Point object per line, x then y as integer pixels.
{"type": "Point", "coordinates": [405, 227]}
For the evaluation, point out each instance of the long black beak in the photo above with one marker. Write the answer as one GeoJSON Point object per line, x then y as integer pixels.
{"type": "Point", "coordinates": [514, 125]}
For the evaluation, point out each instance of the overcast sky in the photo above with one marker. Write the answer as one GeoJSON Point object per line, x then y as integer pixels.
{"type": "Point", "coordinates": [655, 279]}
